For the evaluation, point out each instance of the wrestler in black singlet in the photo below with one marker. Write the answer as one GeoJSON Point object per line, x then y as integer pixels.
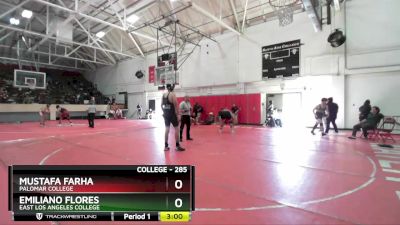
{"type": "Point", "coordinates": [169, 112]}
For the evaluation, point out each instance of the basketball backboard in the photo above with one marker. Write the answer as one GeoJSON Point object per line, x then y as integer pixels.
{"type": "Point", "coordinates": [29, 79]}
{"type": "Point", "coordinates": [166, 75]}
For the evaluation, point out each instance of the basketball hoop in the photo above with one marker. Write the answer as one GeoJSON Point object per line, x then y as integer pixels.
{"type": "Point", "coordinates": [283, 10]}
{"type": "Point", "coordinates": [31, 84]}
{"type": "Point", "coordinates": [165, 75]}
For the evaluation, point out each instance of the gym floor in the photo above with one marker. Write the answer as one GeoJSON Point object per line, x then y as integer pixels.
{"type": "Point", "coordinates": [255, 175]}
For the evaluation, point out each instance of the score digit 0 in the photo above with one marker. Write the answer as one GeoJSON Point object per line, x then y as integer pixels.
{"type": "Point", "coordinates": [178, 184]}
{"type": "Point", "coordinates": [178, 203]}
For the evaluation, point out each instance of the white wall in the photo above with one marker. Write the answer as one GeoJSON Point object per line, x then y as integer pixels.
{"type": "Point", "coordinates": [372, 59]}
{"type": "Point", "coordinates": [119, 78]}
{"type": "Point", "coordinates": [383, 89]}
{"type": "Point", "coordinates": [360, 69]}
{"type": "Point", "coordinates": [373, 31]}
{"type": "Point", "coordinates": [213, 63]}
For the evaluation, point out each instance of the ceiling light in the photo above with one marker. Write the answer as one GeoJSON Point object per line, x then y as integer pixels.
{"type": "Point", "coordinates": [100, 34]}
{"type": "Point", "coordinates": [132, 19]}
{"type": "Point", "coordinates": [337, 5]}
{"type": "Point", "coordinates": [26, 14]}
{"type": "Point", "coordinates": [14, 21]}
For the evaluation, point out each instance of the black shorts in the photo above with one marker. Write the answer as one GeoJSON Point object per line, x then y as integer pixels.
{"type": "Point", "coordinates": [171, 119]}
{"type": "Point", "coordinates": [226, 117]}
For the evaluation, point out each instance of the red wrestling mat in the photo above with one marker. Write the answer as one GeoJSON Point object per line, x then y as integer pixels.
{"type": "Point", "coordinates": [253, 176]}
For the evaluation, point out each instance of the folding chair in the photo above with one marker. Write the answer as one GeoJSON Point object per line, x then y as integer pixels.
{"type": "Point", "coordinates": [372, 134]}
{"type": "Point", "coordinates": [386, 129]}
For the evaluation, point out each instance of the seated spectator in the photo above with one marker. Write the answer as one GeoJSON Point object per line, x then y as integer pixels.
{"type": "Point", "coordinates": [3, 95]}
{"type": "Point", "coordinates": [149, 113]}
{"type": "Point", "coordinates": [197, 110]}
{"type": "Point", "coordinates": [370, 123]}
{"type": "Point", "coordinates": [210, 119]}
{"type": "Point", "coordinates": [115, 111]}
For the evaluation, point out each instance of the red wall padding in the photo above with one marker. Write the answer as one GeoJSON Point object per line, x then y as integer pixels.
{"type": "Point", "coordinates": [249, 104]}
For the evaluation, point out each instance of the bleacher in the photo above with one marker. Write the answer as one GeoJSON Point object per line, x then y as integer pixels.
{"type": "Point", "coordinates": [62, 88]}
{"type": "Point", "coordinates": [68, 89]}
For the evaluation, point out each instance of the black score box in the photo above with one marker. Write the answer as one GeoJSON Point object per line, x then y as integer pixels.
{"type": "Point", "coordinates": [135, 216]}
{"type": "Point", "coordinates": [59, 216]}
{"type": "Point", "coordinates": [281, 60]}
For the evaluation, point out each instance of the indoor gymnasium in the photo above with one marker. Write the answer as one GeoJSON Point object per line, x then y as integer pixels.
{"type": "Point", "coordinates": [199, 112]}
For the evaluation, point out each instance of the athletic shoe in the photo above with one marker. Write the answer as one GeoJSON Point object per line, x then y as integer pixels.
{"type": "Point", "coordinates": [189, 139]}
{"type": "Point", "coordinates": [180, 148]}
{"type": "Point", "coordinates": [351, 137]}
{"type": "Point", "coordinates": [323, 134]}
{"type": "Point", "coordinates": [166, 149]}
{"type": "Point", "coordinates": [312, 132]}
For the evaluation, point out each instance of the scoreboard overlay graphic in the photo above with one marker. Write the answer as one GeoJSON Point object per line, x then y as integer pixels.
{"type": "Point", "coordinates": [101, 193]}
{"type": "Point", "coordinates": [281, 60]}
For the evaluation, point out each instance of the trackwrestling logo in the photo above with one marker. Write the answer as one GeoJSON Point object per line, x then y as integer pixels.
{"type": "Point", "coordinates": [39, 216]}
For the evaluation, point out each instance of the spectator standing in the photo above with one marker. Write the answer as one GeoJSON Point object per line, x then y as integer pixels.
{"type": "Point", "coordinates": [139, 111]}
{"type": "Point", "coordinates": [333, 109]}
{"type": "Point", "coordinates": [364, 110]}
{"type": "Point", "coordinates": [198, 110]}
{"type": "Point", "coordinates": [185, 109]}
{"type": "Point", "coordinates": [369, 123]}
{"type": "Point", "coordinates": [91, 113]}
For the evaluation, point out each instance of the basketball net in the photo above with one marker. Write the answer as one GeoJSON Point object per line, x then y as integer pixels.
{"type": "Point", "coordinates": [31, 86]}
{"type": "Point", "coordinates": [283, 10]}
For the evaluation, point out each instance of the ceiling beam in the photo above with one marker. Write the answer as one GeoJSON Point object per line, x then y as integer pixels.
{"type": "Point", "coordinates": [206, 13]}
{"type": "Point", "coordinates": [70, 17]}
{"type": "Point", "coordinates": [95, 41]}
{"type": "Point", "coordinates": [244, 15]}
{"type": "Point", "coordinates": [70, 42]}
{"type": "Point", "coordinates": [312, 14]}
{"type": "Point", "coordinates": [6, 36]}
{"type": "Point", "coordinates": [142, 5]}
{"type": "Point", "coordinates": [96, 19]}
{"type": "Point", "coordinates": [125, 26]}
{"type": "Point", "coordinates": [61, 56]}
{"type": "Point", "coordinates": [14, 8]}
{"type": "Point", "coordinates": [42, 63]}
{"type": "Point", "coordinates": [234, 13]}
{"type": "Point", "coordinates": [136, 44]}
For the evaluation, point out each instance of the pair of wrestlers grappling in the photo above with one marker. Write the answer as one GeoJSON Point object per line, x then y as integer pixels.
{"type": "Point", "coordinates": [169, 105]}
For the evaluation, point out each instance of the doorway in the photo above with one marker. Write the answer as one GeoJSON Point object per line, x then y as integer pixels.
{"type": "Point", "coordinates": [152, 104]}
{"type": "Point", "coordinates": [287, 108]}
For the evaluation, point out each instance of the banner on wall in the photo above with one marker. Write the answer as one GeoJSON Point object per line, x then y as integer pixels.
{"type": "Point", "coordinates": [281, 60]}
{"type": "Point", "coordinates": [152, 71]}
